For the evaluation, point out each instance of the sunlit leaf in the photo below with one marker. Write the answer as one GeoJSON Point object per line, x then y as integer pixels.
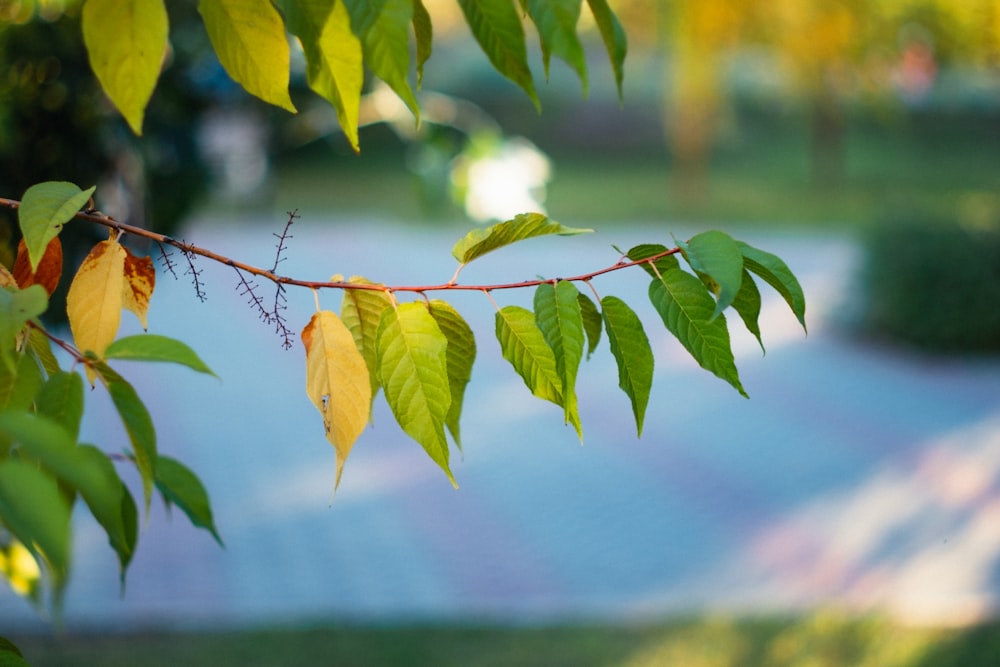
{"type": "Point", "coordinates": [249, 38]}
{"type": "Point", "coordinates": [45, 208]}
{"type": "Point", "coordinates": [337, 382]}
{"type": "Point", "coordinates": [140, 280]}
{"type": "Point", "coordinates": [35, 510]}
{"type": "Point", "coordinates": [747, 305]}
{"type": "Point", "coordinates": [361, 311]}
{"type": "Point", "coordinates": [181, 487]}
{"type": "Point", "coordinates": [497, 27]}
{"type": "Point", "coordinates": [334, 61]}
{"type": "Point", "coordinates": [152, 347]}
{"type": "Point", "coordinates": [687, 309]}
{"type": "Point", "coordinates": [614, 38]}
{"type": "Point", "coordinates": [413, 367]}
{"type": "Point", "coordinates": [716, 255]}
{"type": "Point", "coordinates": [558, 316]}
{"type": "Point", "coordinates": [461, 354]}
{"type": "Point", "coordinates": [631, 350]}
{"type": "Point", "coordinates": [556, 22]}
{"type": "Point", "coordinates": [591, 322]}
{"type": "Point", "coordinates": [384, 29]}
{"type": "Point", "coordinates": [49, 268]}
{"type": "Point", "coordinates": [138, 424]}
{"type": "Point", "coordinates": [662, 264]}
{"type": "Point", "coordinates": [127, 64]}
{"type": "Point", "coordinates": [523, 345]}
{"type": "Point", "coordinates": [20, 568]}
{"type": "Point", "coordinates": [776, 273]}
{"type": "Point", "coordinates": [480, 241]}
{"type": "Point", "coordinates": [94, 302]}
{"type": "Point", "coordinates": [423, 30]}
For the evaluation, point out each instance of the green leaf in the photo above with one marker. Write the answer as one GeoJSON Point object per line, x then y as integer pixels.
{"type": "Point", "coordinates": [45, 208]}
{"type": "Point", "coordinates": [41, 347]}
{"type": "Point", "coordinates": [747, 305]}
{"type": "Point", "coordinates": [716, 255]}
{"type": "Point", "coordinates": [686, 309]}
{"type": "Point", "coordinates": [83, 468]}
{"type": "Point", "coordinates": [61, 400]}
{"type": "Point", "coordinates": [423, 30]}
{"type": "Point", "coordinates": [138, 424]}
{"type": "Point", "coordinates": [36, 511]}
{"type": "Point", "coordinates": [556, 22]}
{"type": "Point", "coordinates": [151, 347]}
{"type": "Point", "coordinates": [558, 316]}
{"type": "Point", "coordinates": [361, 311]}
{"type": "Point", "coordinates": [591, 322]}
{"type": "Point", "coordinates": [109, 501]}
{"type": "Point", "coordinates": [631, 350]}
{"type": "Point", "coordinates": [126, 41]}
{"type": "Point", "coordinates": [249, 38]}
{"type": "Point", "coordinates": [334, 61]}
{"type": "Point", "coordinates": [413, 367]}
{"type": "Point", "coordinates": [181, 487]}
{"type": "Point", "coordinates": [776, 273]}
{"type": "Point", "coordinates": [662, 264]}
{"type": "Point", "coordinates": [480, 241]}
{"type": "Point", "coordinates": [10, 655]}
{"type": "Point", "coordinates": [18, 386]}
{"type": "Point", "coordinates": [384, 29]}
{"type": "Point", "coordinates": [17, 306]}
{"type": "Point", "coordinates": [497, 27]}
{"type": "Point", "coordinates": [614, 39]}
{"type": "Point", "coordinates": [523, 345]}
{"type": "Point", "coordinates": [460, 355]}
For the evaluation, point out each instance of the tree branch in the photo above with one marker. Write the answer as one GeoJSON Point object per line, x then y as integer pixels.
{"type": "Point", "coordinates": [189, 249]}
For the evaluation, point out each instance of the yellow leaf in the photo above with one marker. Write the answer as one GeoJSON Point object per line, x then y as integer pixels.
{"type": "Point", "coordinates": [6, 277]}
{"type": "Point", "coordinates": [250, 40]}
{"type": "Point", "coordinates": [94, 302]}
{"type": "Point", "coordinates": [126, 40]}
{"type": "Point", "coordinates": [140, 279]}
{"type": "Point", "coordinates": [336, 382]}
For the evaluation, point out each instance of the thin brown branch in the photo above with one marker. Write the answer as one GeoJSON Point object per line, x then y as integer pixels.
{"type": "Point", "coordinates": [190, 250]}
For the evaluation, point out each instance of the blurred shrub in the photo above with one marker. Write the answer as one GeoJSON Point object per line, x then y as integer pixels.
{"type": "Point", "coordinates": [935, 282]}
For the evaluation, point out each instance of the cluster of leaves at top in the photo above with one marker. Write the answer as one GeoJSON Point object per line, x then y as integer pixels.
{"type": "Point", "coordinates": [339, 38]}
{"type": "Point", "coordinates": [421, 353]}
{"type": "Point", "coordinates": [44, 468]}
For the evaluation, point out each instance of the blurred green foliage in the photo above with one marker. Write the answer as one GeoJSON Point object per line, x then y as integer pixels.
{"type": "Point", "coordinates": [935, 281]}
{"type": "Point", "coordinates": [822, 639]}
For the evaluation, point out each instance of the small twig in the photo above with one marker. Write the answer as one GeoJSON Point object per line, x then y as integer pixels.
{"type": "Point", "coordinates": [282, 238]}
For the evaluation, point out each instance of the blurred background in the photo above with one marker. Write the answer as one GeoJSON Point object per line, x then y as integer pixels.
{"type": "Point", "coordinates": [857, 139]}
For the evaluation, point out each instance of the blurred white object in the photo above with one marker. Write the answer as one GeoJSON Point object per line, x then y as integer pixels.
{"type": "Point", "coordinates": [498, 180]}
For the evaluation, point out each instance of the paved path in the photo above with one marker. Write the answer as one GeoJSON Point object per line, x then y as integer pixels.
{"type": "Point", "coordinates": [856, 474]}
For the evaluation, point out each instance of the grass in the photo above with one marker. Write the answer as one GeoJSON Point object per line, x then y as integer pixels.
{"type": "Point", "coordinates": [761, 175]}
{"type": "Point", "coordinates": [818, 640]}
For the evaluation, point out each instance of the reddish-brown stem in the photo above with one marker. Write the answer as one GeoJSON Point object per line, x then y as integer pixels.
{"type": "Point", "coordinates": [72, 351]}
{"type": "Point", "coordinates": [189, 248]}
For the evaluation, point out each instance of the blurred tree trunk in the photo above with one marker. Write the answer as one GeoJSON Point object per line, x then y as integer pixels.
{"type": "Point", "coordinates": [828, 128]}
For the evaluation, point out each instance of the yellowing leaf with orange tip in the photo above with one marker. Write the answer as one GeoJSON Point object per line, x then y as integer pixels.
{"type": "Point", "coordinates": [140, 279]}
{"type": "Point", "coordinates": [94, 302]}
{"type": "Point", "coordinates": [336, 382]}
